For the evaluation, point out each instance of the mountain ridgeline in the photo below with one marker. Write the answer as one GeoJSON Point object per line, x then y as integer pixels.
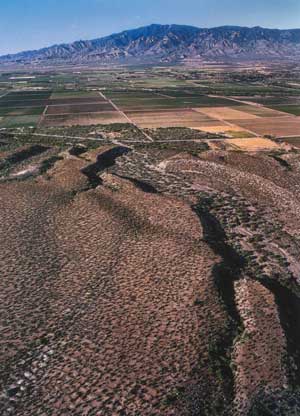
{"type": "Point", "coordinates": [170, 44]}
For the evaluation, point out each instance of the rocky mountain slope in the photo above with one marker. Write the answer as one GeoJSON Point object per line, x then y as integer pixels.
{"type": "Point", "coordinates": [171, 43]}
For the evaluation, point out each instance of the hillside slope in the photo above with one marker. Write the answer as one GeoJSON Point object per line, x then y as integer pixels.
{"type": "Point", "coordinates": [149, 281]}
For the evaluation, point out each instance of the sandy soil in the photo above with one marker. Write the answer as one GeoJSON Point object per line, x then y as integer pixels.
{"type": "Point", "coordinates": [226, 113]}
{"type": "Point", "coordinates": [222, 128]}
{"type": "Point", "coordinates": [253, 144]}
{"type": "Point", "coordinates": [178, 118]}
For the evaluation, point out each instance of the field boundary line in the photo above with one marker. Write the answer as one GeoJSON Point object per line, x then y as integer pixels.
{"type": "Point", "coordinates": [77, 104]}
{"type": "Point", "coordinates": [41, 119]}
{"type": "Point", "coordinates": [231, 124]}
{"type": "Point", "coordinates": [4, 94]}
{"type": "Point", "coordinates": [253, 104]}
{"type": "Point", "coordinates": [164, 95]}
{"type": "Point", "coordinates": [237, 101]}
{"type": "Point", "coordinates": [127, 118]}
{"type": "Point", "coordinates": [53, 135]}
{"type": "Point", "coordinates": [78, 114]}
{"type": "Point", "coordinates": [297, 136]}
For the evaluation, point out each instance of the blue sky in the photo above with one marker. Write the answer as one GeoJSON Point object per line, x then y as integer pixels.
{"type": "Point", "coordinates": [30, 24]}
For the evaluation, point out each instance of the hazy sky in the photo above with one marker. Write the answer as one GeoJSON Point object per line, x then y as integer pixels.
{"type": "Point", "coordinates": [30, 24]}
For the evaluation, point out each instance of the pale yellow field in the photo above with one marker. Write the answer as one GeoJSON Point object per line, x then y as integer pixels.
{"type": "Point", "coordinates": [220, 128]}
{"type": "Point", "coordinates": [225, 113]}
{"type": "Point", "coordinates": [175, 118]}
{"type": "Point", "coordinates": [253, 144]}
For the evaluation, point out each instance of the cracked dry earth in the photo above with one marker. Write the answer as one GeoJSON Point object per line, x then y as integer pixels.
{"type": "Point", "coordinates": [138, 282]}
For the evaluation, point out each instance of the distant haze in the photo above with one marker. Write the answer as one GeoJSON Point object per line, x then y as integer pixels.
{"type": "Point", "coordinates": [31, 24]}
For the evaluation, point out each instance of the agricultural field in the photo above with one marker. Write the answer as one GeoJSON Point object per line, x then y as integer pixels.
{"type": "Point", "coordinates": [168, 118]}
{"type": "Point", "coordinates": [74, 94]}
{"type": "Point", "coordinates": [154, 97]}
{"type": "Point", "coordinates": [290, 109]}
{"type": "Point", "coordinates": [293, 141]}
{"type": "Point", "coordinates": [277, 126]}
{"type": "Point", "coordinates": [83, 119]}
{"type": "Point", "coordinates": [253, 144]}
{"type": "Point", "coordinates": [22, 108]}
{"type": "Point", "coordinates": [211, 100]}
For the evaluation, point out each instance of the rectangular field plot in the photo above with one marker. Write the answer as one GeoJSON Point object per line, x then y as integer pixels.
{"type": "Point", "coordinates": [78, 108]}
{"type": "Point", "coordinates": [22, 103]}
{"type": "Point", "coordinates": [24, 99]}
{"type": "Point", "coordinates": [209, 101]}
{"type": "Point", "coordinates": [27, 95]}
{"type": "Point", "coordinates": [185, 93]}
{"type": "Point", "coordinates": [173, 118]}
{"type": "Point", "coordinates": [19, 121]}
{"type": "Point", "coordinates": [261, 111]}
{"type": "Point", "coordinates": [74, 94]}
{"type": "Point", "coordinates": [21, 111]}
{"type": "Point", "coordinates": [22, 108]}
{"type": "Point", "coordinates": [119, 95]}
{"type": "Point", "coordinates": [86, 100]}
{"type": "Point", "coordinates": [276, 126]}
{"type": "Point", "coordinates": [158, 82]}
{"type": "Point", "coordinates": [253, 144]}
{"type": "Point", "coordinates": [293, 141]}
{"type": "Point", "coordinates": [84, 119]}
{"type": "Point", "coordinates": [289, 109]}
{"type": "Point", "coordinates": [221, 128]}
{"type": "Point", "coordinates": [273, 100]}
{"type": "Point", "coordinates": [226, 113]}
{"type": "Point", "coordinates": [129, 103]}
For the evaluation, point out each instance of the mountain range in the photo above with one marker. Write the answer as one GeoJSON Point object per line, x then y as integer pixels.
{"type": "Point", "coordinates": [170, 44]}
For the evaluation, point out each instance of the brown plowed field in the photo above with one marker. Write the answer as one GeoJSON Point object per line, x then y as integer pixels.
{"type": "Point", "coordinates": [78, 108]}
{"type": "Point", "coordinates": [104, 117]}
{"type": "Point", "coordinates": [261, 111]}
{"type": "Point", "coordinates": [277, 126]}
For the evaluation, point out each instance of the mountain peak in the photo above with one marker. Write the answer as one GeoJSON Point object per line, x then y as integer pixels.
{"type": "Point", "coordinates": [158, 43]}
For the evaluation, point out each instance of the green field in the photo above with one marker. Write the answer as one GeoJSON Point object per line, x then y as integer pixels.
{"type": "Point", "coordinates": [164, 102]}
{"type": "Point", "coordinates": [119, 95]}
{"type": "Point", "coordinates": [19, 121]}
{"type": "Point", "coordinates": [23, 111]}
{"type": "Point", "coordinates": [290, 109]}
{"type": "Point", "coordinates": [145, 89]}
{"type": "Point", "coordinates": [274, 100]}
{"type": "Point", "coordinates": [73, 94]}
{"type": "Point", "coordinates": [159, 82]}
{"type": "Point", "coordinates": [27, 95]}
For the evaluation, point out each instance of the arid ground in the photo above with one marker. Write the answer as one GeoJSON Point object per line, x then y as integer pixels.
{"type": "Point", "coordinates": [149, 267]}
